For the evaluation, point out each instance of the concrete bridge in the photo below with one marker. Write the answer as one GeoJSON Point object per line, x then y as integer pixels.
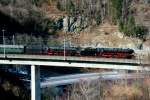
{"type": "Point", "coordinates": [36, 61]}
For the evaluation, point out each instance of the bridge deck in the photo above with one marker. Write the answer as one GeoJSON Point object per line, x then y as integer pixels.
{"type": "Point", "coordinates": [69, 58]}
{"type": "Point", "coordinates": [104, 63]}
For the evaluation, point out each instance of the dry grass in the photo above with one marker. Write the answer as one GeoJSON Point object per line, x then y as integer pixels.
{"type": "Point", "coordinates": [118, 92]}
{"type": "Point", "coordinates": [135, 89]}
{"type": "Point", "coordinates": [51, 10]}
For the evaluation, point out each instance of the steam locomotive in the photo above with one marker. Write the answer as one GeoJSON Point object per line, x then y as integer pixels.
{"type": "Point", "coordinates": [69, 51]}
{"type": "Point", "coordinates": [93, 52]}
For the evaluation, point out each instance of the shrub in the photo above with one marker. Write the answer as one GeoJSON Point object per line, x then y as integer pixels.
{"type": "Point", "coordinates": [98, 19]}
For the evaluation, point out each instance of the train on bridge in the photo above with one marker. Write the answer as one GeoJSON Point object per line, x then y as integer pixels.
{"type": "Point", "coordinates": [68, 51]}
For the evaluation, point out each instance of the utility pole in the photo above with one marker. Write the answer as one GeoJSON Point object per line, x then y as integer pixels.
{"type": "Point", "coordinates": [64, 48]}
{"type": "Point", "coordinates": [65, 25]}
{"type": "Point", "coordinates": [13, 40]}
{"type": "Point", "coordinates": [4, 41]}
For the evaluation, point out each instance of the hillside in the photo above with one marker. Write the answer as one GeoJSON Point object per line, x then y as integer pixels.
{"type": "Point", "coordinates": [110, 23]}
{"type": "Point", "coordinates": [24, 16]}
{"type": "Point", "coordinates": [127, 28]}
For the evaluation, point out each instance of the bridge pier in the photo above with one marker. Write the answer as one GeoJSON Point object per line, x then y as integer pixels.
{"type": "Point", "coordinates": [35, 83]}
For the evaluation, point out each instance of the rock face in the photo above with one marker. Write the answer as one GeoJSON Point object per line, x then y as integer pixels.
{"type": "Point", "coordinates": [146, 45]}
{"type": "Point", "coordinates": [74, 24]}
